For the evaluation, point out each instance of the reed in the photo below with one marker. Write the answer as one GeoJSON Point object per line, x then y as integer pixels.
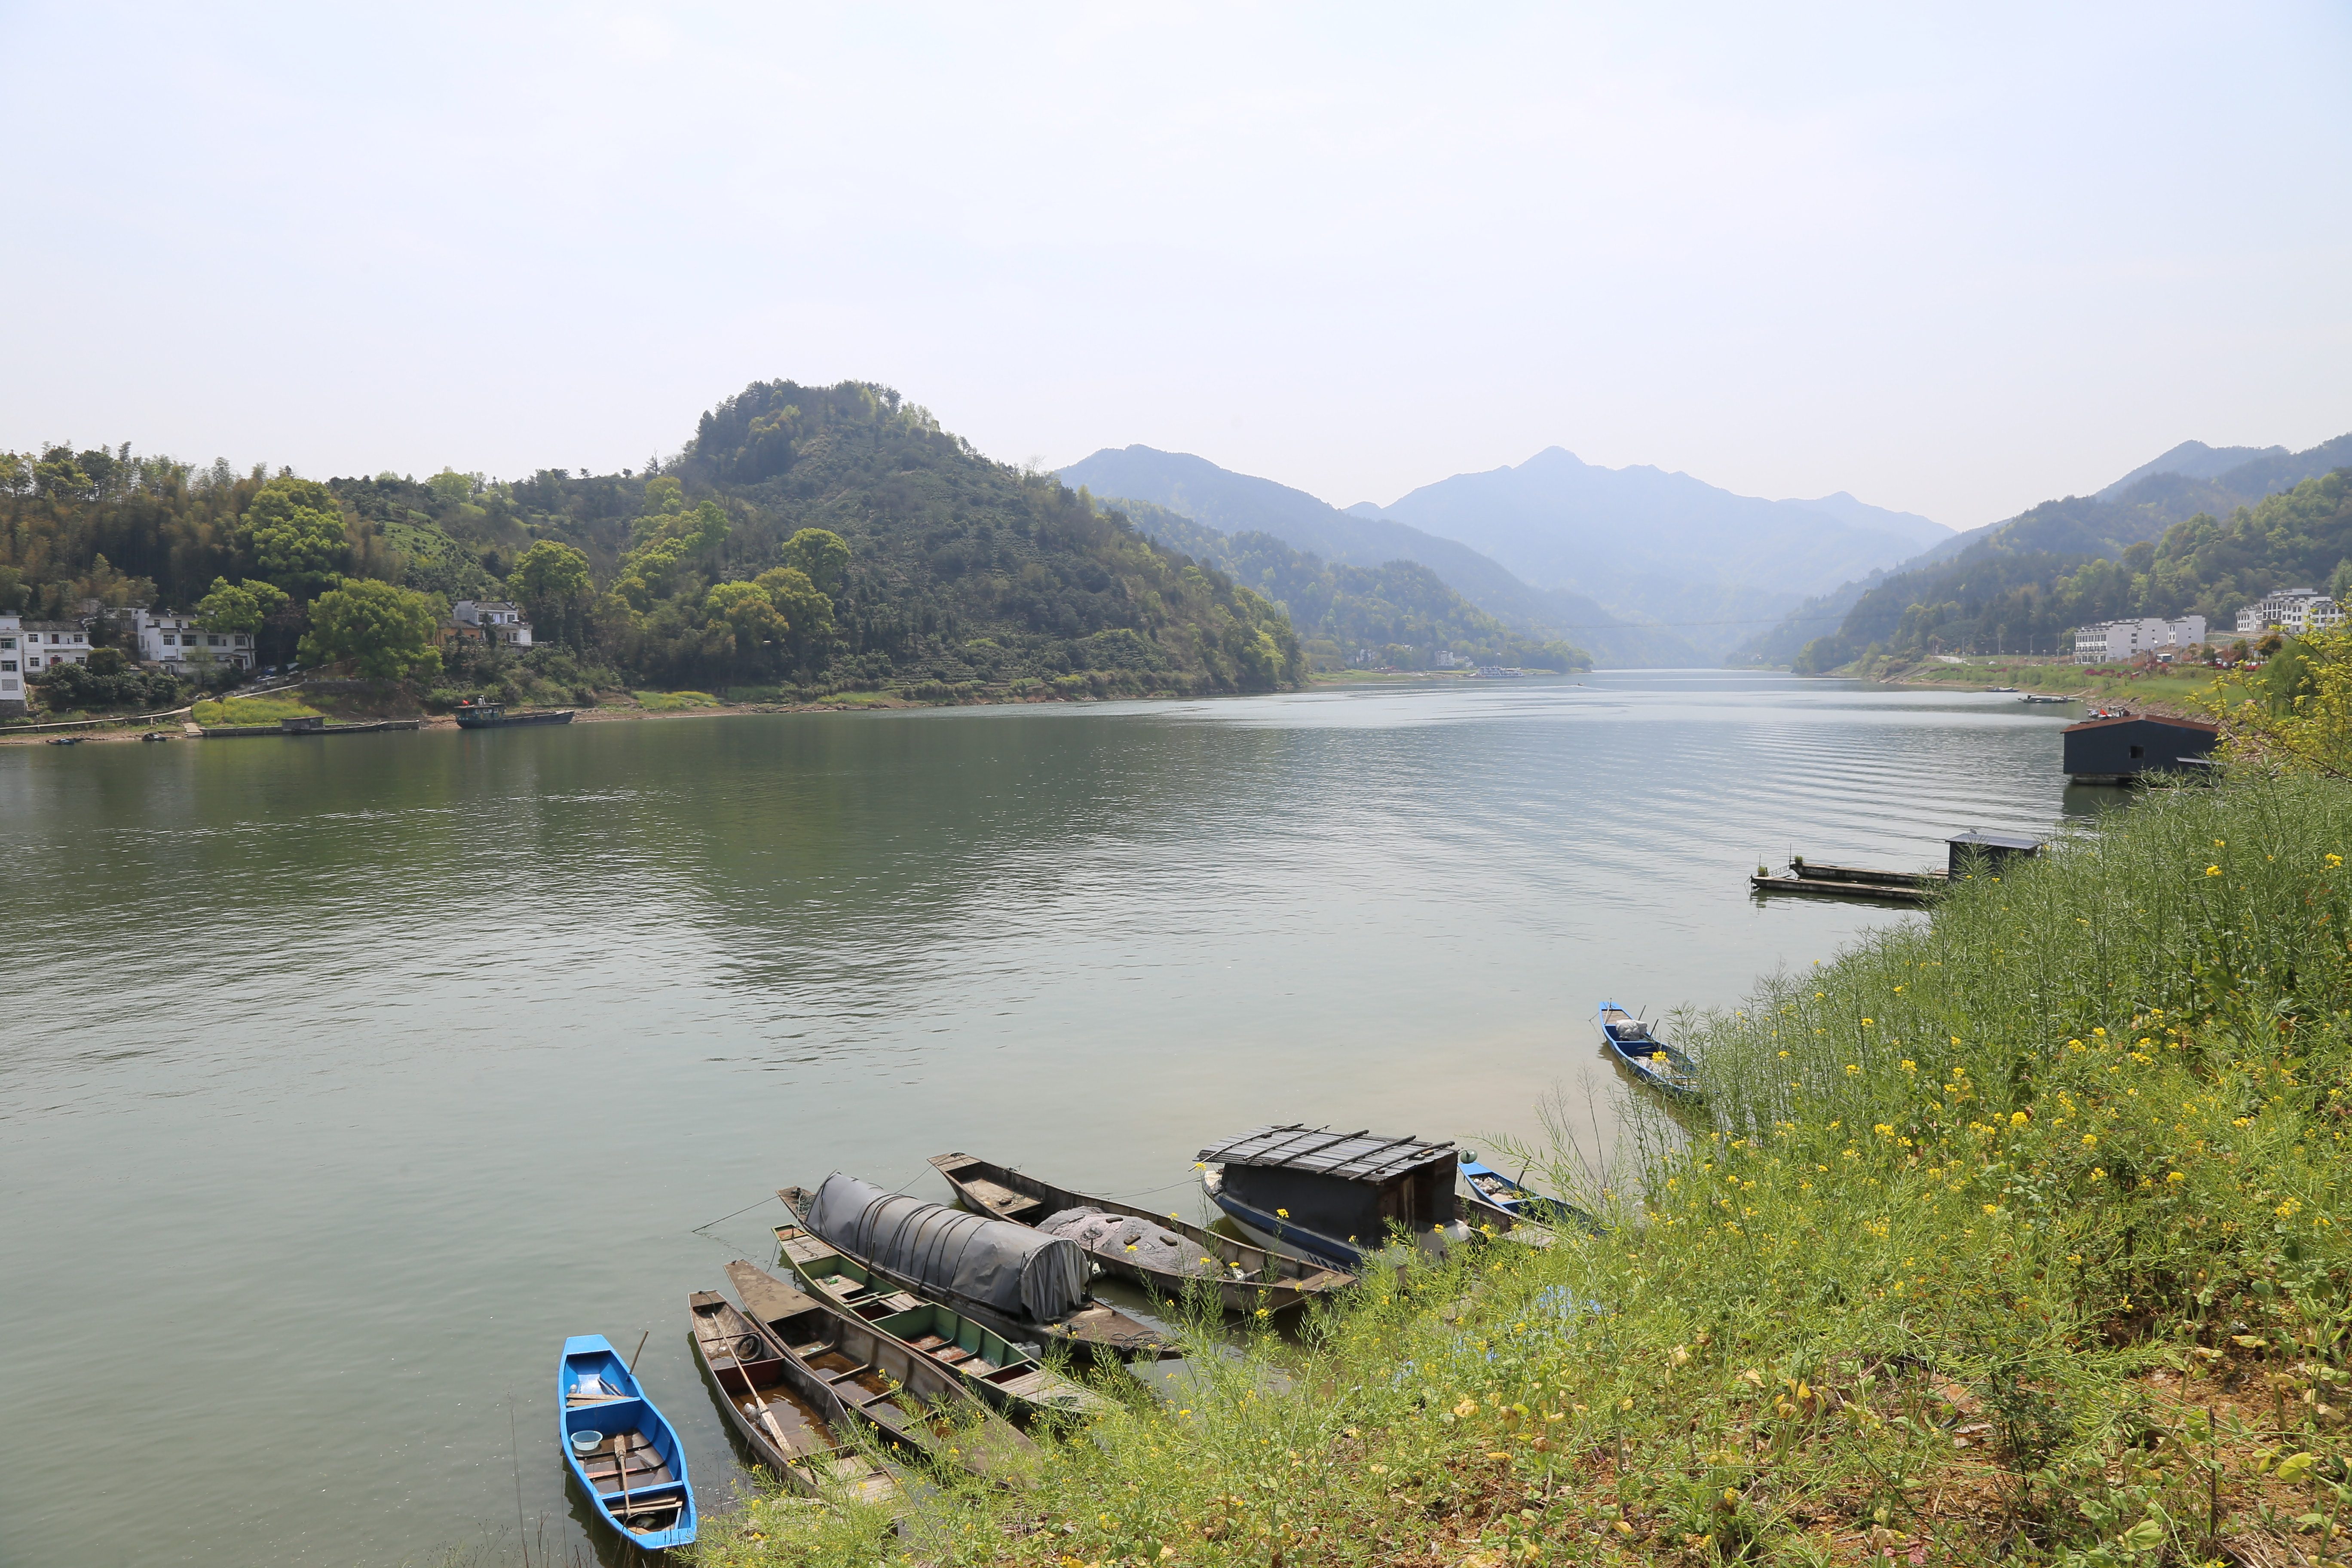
{"type": "Point", "coordinates": [2019, 1233]}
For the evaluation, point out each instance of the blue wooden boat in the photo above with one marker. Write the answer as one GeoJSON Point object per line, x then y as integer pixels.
{"type": "Point", "coordinates": [621, 1449]}
{"type": "Point", "coordinates": [1493, 1197]}
{"type": "Point", "coordinates": [1653, 1061]}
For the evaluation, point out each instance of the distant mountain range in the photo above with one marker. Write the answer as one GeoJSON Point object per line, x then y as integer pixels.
{"type": "Point", "coordinates": [2021, 584]}
{"type": "Point", "coordinates": [1650, 545]}
{"type": "Point", "coordinates": [1237, 504]}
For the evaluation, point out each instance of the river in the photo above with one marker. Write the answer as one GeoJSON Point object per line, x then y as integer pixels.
{"type": "Point", "coordinates": [342, 1077]}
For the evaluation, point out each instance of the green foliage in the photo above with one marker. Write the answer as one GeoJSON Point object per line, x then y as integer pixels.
{"type": "Point", "coordinates": [104, 684]}
{"type": "Point", "coordinates": [2016, 1236]}
{"type": "Point", "coordinates": [293, 532]}
{"type": "Point", "coordinates": [888, 553]}
{"type": "Point", "coordinates": [1401, 612]}
{"type": "Point", "coordinates": [236, 711]}
{"type": "Point", "coordinates": [2012, 591]}
{"type": "Point", "coordinates": [244, 606]}
{"type": "Point", "coordinates": [552, 584]}
{"type": "Point", "coordinates": [820, 555]}
{"type": "Point", "coordinates": [382, 632]}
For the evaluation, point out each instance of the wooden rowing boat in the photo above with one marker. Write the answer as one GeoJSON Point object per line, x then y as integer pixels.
{"type": "Point", "coordinates": [908, 1398]}
{"type": "Point", "coordinates": [777, 1404]}
{"type": "Point", "coordinates": [1494, 1198]}
{"type": "Point", "coordinates": [1653, 1061]}
{"type": "Point", "coordinates": [1095, 1325]}
{"type": "Point", "coordinates": [622, 1450]}
{"type": "Point", "coordinates": [989, 1365]}
{"type": "Point", "coordinates": [1248, 1279]}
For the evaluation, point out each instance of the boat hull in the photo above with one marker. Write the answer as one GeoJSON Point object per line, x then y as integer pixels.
{"type": "Point", "coordinates": [509, 720]}
{"type": "Point", "coordinates": [636, 1475]}
{"type": "Point", "coordinates": [1007, 1193]}
{"type": "Point", "coordinates": [785, 1415]}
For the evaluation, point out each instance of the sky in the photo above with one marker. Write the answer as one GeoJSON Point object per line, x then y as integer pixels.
{"type": "Point", "coordinates": [1954, 260]}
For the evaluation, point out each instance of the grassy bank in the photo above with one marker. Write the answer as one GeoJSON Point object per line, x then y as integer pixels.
{"type": "Point", "coordinates": [2020, 1235]}
{"type": "Point", "coordinates": [252, 710]}
{"type": "Point", "coordinates": [2167, 689]}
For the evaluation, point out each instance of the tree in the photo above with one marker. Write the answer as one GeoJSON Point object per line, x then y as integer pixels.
{"type": "Point", "coordinates": [239, 607]}
{"type": "Point", "coordinates": [293, 532]}
{"type": "Point", "coordinates": [820, 554]}
{"type": "Point", "coordinates": [552, 583]}
{"type": "Point", "coordinates": [747, 612]}
{"type": "Point", "coordinates": [2297, 714]}
{"type": "Point", "coordinates": [383, 632]}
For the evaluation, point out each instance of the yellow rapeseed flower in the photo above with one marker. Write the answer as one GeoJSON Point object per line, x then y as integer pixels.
{"type": "Point", "coordinates": [2212, 870]}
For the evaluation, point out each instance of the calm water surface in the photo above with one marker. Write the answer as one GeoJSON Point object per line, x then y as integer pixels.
{"type": "Point", "coordinates": [340, 1080]}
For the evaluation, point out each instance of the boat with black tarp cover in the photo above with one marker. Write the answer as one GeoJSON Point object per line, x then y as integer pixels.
{"type": "Point", "coordinates": [1332, 1196]}
{"type": "Point", "coordinates": [1021, 1283]}
{"type": "Point", "coordinates": [1161, 1252]}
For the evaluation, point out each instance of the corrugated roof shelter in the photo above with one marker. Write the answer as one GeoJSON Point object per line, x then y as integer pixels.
{"type": "Point", "coordinates": [2118, 749]}
{"type": "Point", "coordinates": [1342, 1184]}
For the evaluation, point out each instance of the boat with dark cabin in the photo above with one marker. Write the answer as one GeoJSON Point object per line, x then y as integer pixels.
{"type": "Point", "coordinates": [1653, 1061]}
{"type": "Point", "coordinates": [480, 714]}
{"type": "Point", "coordinates": [1334, 1197]}
{"type": "Point", "coordinates": [989, 1365]}
{"type": "Point", "coordinates": [1026, 1286]}
{"type": "Point", "coordinates": [909, 1400]}
{"type": "Point", "coordinates": [1164, 1254]}
{"type": "Point", "coordinates": [1493, 1197]}
{"type": "Point", "coordinates": [622, 1450]}
{"type": "Point", "coordinates": [787, 1415]}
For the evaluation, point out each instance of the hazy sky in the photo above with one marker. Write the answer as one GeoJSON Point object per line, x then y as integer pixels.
{"type": "Point", "coordinates": [1954, 261]}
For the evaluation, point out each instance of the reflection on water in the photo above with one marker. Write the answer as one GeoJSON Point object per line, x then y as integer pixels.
{"type": "Point", "coordinates": [353, 1074]}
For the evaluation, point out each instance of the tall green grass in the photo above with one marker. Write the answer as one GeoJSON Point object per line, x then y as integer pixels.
{"type": "Point", "coordinates": [2018, 1235]}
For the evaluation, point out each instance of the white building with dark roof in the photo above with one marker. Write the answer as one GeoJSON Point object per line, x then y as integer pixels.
{"type": "Point", "coordinates": [2293, 611]}
{"type": "Point", "coordinates": [499, 621]}
{"type": "Point", "coordinates": [2120, 642]}
{"type": "Point", "coordinates": [172, 637]}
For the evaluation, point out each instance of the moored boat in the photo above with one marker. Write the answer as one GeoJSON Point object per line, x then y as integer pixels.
{"type": "Point", "coordinates": [622, 1450]}
{"type": "Point", "coordinates": [787, 1415]}
{"type": "Point", "coordinates": [907, 1398]}
{"type": "Point", "coordinates": [1165, 1254]}
{"type": "Point", "coordinates": [479, 713]}
{"type": "Point", "coordinates": [1334, 1197]}
{"type": "Point", "coordinates": [1653, 1061]}
{"type": "Point", "coordinates": [989, 1365]}
{"type": "Point", "coordinates": [1493, 1197]}
{"type": "Point", "coordinates": [1024, 1285]}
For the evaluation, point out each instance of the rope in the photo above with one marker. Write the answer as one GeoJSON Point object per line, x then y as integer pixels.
{"type": "Point", "coordinates": [722, 1219]}
{"type": "Point", "coordinates": [1148, 1192]}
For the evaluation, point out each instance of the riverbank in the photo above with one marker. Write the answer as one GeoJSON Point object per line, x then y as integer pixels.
{"type": "Point", "coordinates": [2019, 1235]}
{"type": "Point", "coordinates": [2163, 689]}
{"type": "Point", "coordinates": [610, 707]}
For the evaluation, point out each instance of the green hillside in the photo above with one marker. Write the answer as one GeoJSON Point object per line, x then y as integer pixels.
{"type": "Point", "coordinates": [1400, 613]}
{"type": "Point", "coordinates": [2025, 587]}
{"type": "Point", "coordinates": [808, 540]}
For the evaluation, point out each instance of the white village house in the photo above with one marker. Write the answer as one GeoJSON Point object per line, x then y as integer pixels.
{"type": "Point", "coordinates": [497, 620]}
{"type": "Point", "coordinates": [2293, 611]}
{"type": "Point", "coordinates": [173, 639]}
{"type": "Point", "coordinates": [12, 665]}
{"type": "Point", "coordinates": [2119, 642]}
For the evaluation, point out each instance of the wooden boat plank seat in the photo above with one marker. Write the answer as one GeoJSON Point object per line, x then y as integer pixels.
{"type": "Point", "coordinates": [1028, 1383]}
{"type": "Point", "coordinates": [1001, 1200]}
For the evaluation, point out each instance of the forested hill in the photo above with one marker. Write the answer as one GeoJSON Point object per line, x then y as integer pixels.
{"type": "Point", "coordinates": [1398, 614]}
{"type": "Point", "coordinates": [2155, 546]}
{"type": "Point", "coordinates": [816, 538]}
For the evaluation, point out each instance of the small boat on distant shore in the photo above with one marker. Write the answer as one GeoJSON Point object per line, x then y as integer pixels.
{"type": "Point", "coordinates": [1493, 1197]}
{"type": "Point", "coordinates": [1653, 1061]}
{"type": "Point", "coordinates": [480, 714]}
{"type": "Point", "coordinates": [622, 1450]}
{"type": "Point", "coordinates": [1161, 1252]}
